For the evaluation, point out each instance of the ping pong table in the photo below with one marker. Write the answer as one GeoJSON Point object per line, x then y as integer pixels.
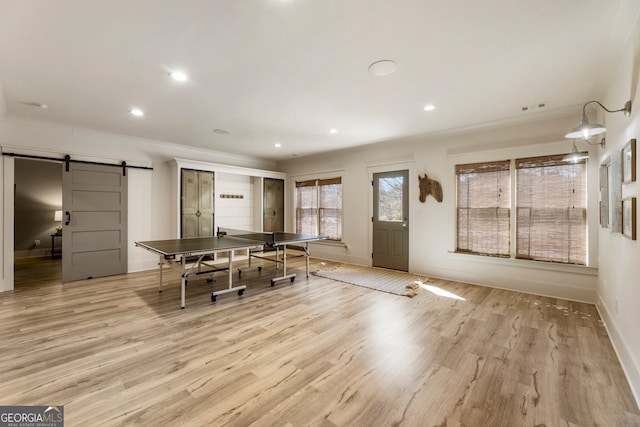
{"type": "Point", "coordinates": [193, 257]}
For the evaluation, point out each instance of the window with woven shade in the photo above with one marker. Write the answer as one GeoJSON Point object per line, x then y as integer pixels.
{"type": "Point", "coordinates": [307, 207]}
{"type": "Point", "coordinates": [483, 208]}
{"type": "Point", "coordinates": [319, 207]}
{"type": "Point", "coordinates": [551, 212]}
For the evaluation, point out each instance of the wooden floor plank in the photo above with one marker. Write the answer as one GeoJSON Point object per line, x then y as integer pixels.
{"type": "Point", "coordinates": [317, 352]}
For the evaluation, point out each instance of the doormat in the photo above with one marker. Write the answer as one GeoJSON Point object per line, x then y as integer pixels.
{"type": "Point", "coordinates": [379, 279]}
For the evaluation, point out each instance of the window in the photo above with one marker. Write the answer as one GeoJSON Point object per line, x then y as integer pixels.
{"type": "Point", "coordinates": [483, 208]}
{"type": "Point", "coordinates": [551, 210]}
{"type": "Point", "coordinates": [319, 207]}
{"type": "Point", "coordinates": [550, 219]}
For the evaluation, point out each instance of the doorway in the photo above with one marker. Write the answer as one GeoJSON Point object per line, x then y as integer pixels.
{"type": "Point", "coordinates": [391, 220]}
{"type": "Point", "coordinates": [36, 198]}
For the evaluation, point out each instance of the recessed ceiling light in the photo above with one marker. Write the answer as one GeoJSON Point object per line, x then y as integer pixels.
{"type": "Point", "coordinates": [221, 131]}
{"type": "Point", "coordinates": [136, 112]}
{"type": "Point", "coordinates": [277, 145]}
{"type": "Point", "coordinates": [178, 76]}
{"type": "Point", "coordinates": [383, 67]}
{"type": "Point", "coordinates": [333, 131]}
{"type": "Point", "coordinates": [429, 107]}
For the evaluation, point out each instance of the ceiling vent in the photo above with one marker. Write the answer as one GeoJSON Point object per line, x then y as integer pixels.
{"type": "Point", "coordinates": [532, 107]}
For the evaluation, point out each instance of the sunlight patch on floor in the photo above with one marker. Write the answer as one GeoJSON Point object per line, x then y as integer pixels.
{"type": "Point", "coordinates": [441, 292]}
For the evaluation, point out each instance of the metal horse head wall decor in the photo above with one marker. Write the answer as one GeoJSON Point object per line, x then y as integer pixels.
{"type": "Point", "coordinates": [429, 186]}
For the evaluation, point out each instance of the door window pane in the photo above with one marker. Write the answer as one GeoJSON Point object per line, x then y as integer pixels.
{"type": "Point", "coordinates": [390, 199]}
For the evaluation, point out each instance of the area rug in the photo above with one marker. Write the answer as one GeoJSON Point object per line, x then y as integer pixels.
{"type": "Point", "coordinates": [380, 279]}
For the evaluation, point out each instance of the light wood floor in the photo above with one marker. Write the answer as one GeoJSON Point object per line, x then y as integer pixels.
{"type": "Point", "coordinates": [114, 351]}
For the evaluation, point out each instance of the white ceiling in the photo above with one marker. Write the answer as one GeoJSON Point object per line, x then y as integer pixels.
{"type": "Point", "coordinates": [288, 71]}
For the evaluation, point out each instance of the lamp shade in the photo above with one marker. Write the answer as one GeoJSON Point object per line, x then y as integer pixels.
{"type": "Point", "coordinates": [57, 216]}
{"type": "Point", "coordinates": [586, 130]}
{"type": "Point", "coordinates": [575, 156]}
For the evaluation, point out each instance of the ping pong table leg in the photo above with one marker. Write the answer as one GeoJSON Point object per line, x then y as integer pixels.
{"type": "Point", "coordinates": [284, 260]}
{"type": "Point", "coordinates": [183, 283]}
{"type": "Point", "coordinates": [306, 254]}
{"type": "Point", "coordinates": [161, 264]}
{"type": "Point", "coordinates": [230, 271]}
{"type": "Point", "coordinates": [240, 289]}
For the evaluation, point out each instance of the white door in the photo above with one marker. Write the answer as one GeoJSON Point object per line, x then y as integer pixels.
{"type": "Point", "coordinates": [94, 233]}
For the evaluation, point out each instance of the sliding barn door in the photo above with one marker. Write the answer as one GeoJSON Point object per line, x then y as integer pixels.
{"type": "Point", "coordinates": [94, 235]}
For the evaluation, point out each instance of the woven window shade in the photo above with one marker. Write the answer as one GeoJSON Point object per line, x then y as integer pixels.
{"type": "Point", "coordinates": [319, 207]}
{"type": "Point", "coordinates": [306, 207]}
{"type": "Point", "coordinates": [309, 183]}
{"type": "Point", "coordinates": [330, 191]}
{"type": "Point", "coordinates": [551, 213]}
{"type": "Point", "coordinates": [483, 208]}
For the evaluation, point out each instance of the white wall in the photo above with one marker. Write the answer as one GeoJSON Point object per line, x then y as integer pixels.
{"type": "Point", "coordinates": [150, 197]}
{"type": "Point", "coordinates": [618, 282]}
{"type": "Point", "coordinates": [235, 212]}
{"type": "Point", "coordinates": [432, 224]}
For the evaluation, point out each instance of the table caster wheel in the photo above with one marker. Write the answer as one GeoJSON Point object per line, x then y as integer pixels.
{"type": "Point", "coordinates": [213, 298]}
{"type": "Point", "coordinates": [292, 279]}
{"type": "Point", "coordinates": [273, 283]}
{"type": "Point", "coordinates": [240, 292]}
{"type": "Point", "coordinates": [260, 269]}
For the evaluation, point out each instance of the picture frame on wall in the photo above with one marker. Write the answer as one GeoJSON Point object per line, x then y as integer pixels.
{"type": "Point", "coordinates": [629, 161]}
{"type": "Point", "coordinates": [629, 218]}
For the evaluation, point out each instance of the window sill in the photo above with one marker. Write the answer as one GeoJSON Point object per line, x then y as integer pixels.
{"type": "Point", "coordinates": [523, 263]}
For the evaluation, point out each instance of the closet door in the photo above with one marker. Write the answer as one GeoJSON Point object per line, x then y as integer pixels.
{"type": "Point", "coordinates": [205, 204]}
{"type": "Point", "coordinates": [197, 203]}
{"type": "Point", "coordinates": [273, 205]}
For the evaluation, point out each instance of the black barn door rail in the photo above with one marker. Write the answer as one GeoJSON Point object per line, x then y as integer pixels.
{"type": "Point", "coordinates": [67, 159]}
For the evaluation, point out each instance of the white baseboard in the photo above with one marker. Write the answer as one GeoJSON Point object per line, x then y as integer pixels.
{"type": "Point", "coordinates": [630, 365]}
{"type": "Point", "coordinates": [520, 284]}
{"type": "Point", "coordinates": [30, 253]}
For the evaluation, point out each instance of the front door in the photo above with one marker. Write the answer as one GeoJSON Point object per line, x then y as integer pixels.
{"type": "Point", "coordinates": [94, 233]}
{"type": "Point", "coordinates": [391, 220]}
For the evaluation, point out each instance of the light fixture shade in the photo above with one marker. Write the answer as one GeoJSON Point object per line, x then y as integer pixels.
{"type": "Point", "coordinates": [586, 130]}
{"type": "Point", "coordinates": [575, 156]}
{"type": "Point", "coordinates": [57, 216]}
